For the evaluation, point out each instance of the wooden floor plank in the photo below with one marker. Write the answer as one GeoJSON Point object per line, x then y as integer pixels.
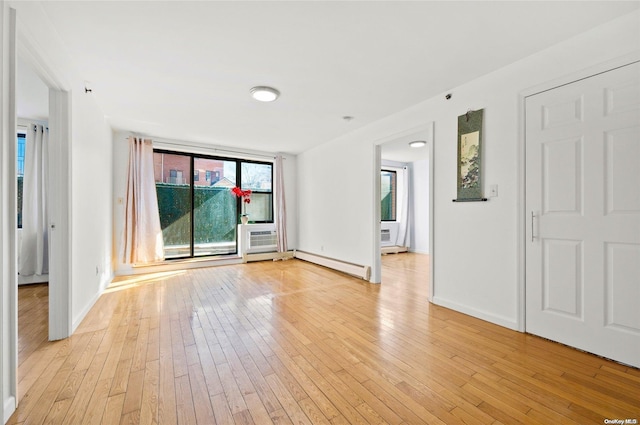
{"type": "Point", "coordinates": [290, 342]}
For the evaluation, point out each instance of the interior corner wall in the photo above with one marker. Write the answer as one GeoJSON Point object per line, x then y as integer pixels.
{"type": "Point", "coordinates": [475, 255]}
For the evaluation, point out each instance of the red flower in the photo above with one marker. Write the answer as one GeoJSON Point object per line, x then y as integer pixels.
{"type": "Point", "coordinates": [239, 193]}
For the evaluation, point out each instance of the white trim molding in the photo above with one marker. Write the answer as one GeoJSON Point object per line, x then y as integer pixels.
{"type": "Point", "coordinates": [480, 314]}
{"type": "Point", "coordinates": [60, 312]}
{"type": "Point", "coordinates": [8, 219]}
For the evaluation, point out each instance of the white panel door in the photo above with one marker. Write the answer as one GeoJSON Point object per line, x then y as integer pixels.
{"type": "Point", "coordinates": [583, 214]}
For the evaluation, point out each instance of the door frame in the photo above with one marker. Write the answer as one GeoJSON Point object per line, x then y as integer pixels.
{"type": "Point", "coordinates": [591, 71]}
{"type": "Point", "coordinates": [8, 218]}
{"type": "Point", "coordinates": [376, 269]}
{"type": "Point", "coordinates": [60, 315]}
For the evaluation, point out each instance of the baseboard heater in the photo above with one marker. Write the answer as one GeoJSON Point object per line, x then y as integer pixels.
{"type": "Point", "coordinates": [264, 256]}
{"type": "Point", "coordinates": [363, 272]}
{"type": "Point", "coordinates": [393, 249]}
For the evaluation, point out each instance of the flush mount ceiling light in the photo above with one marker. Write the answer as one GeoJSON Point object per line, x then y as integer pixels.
{"type": "Point", "coordinates": [417, 143]}
{"type": "Point", "coordinates": [264, 93]}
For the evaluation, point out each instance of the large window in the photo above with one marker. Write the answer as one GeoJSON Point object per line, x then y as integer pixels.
{"type": "Point", "coordinates": [198, 212]}
{"type": "Point", "coordinates": [388, 186]}
{"type": "Point", "coordinates": [21, 140]}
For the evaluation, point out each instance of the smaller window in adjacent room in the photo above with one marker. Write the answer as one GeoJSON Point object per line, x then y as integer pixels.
{"type": "Point", "coordinates": [388, 186]}
{"type": "Point", "coordinates": [22, 138]}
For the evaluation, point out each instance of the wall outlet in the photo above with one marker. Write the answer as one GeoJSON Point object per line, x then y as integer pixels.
{"type": "Point", "coordinates": [493, 190]}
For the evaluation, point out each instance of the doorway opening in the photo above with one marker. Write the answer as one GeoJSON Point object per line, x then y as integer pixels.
{"type": "Point", "coordinates": [32, 110]}
{"type": "Point", "coordinates": [404, 195]}
{"type": "Point", "coordinates": [56, 108]}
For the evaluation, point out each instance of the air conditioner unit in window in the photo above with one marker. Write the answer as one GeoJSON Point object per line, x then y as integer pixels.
{"type": "Point", "coordinates": [261, 241]}
{"type": "Point", "coordinates": [388, 233]}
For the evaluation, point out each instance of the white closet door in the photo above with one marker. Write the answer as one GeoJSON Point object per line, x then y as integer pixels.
{"type": "Point", "coordinates": [583, 207]}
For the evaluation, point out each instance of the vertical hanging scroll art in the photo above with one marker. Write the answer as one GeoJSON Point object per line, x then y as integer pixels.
{"type": "Point", "coordinates": [470, 157]}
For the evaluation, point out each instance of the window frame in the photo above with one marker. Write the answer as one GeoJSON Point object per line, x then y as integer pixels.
{"type": "Point", "coordinates": [239, 161]}
{"type": "Point", "coordinates": [394, 189]}
{"type": "Point", "coordinates": [21, 131]}
{"type": "Point", "coordinates": [239, 184]}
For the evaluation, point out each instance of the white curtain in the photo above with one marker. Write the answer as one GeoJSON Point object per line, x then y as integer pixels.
{"type": "Point", "coordinates": [281, 211]}
{"type": "Point", "coordinates": [142, 232]}
{"type": "Point", "coordinates": [34, 252]}
{"type": "Point", "coordinates": [403, 203]}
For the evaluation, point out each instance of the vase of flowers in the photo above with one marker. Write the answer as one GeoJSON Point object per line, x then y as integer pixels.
{"type": "Point", "coordinates": [245, 195]}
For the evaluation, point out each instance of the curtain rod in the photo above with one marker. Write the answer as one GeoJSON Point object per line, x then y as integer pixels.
{"type": "Point", "coordinates": [214, 149]}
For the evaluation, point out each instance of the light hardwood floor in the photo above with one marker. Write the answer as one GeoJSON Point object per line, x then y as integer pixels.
{"type": "Point", "coordinates": [290, 342]}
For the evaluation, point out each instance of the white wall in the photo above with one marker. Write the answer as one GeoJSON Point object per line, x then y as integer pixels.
{"type": "Point", "coordinates": [120, 163]}
{"type": "Point", "coordinates": [475, 244]}
{"type": "Point", "coordinates": [335, 199]}
{"type": "Point", "coordinates": [420, 203]}
{"type": "Point", "coordinates": [91, 224]}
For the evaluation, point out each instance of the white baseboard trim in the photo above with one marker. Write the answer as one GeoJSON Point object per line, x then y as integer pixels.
{"type": "Point", "coordinates": [105, 283]}
{"type": "Point", "coordinates": [80, 316]}
{"type": "Point", "coordinates": [363, 272]}
{"type": "Point", "coordinates": [168, 266]}
{"type": "Point", "coordinates": [480, 314]}
{"type": "Point", "coordinates": [9, 408]}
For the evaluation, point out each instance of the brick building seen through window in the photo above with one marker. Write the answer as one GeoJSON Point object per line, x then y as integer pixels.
{"type": "Point", "coordinates": [174, 169]}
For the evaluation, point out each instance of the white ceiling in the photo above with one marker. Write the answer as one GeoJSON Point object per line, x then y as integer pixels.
{"type": "Point", "coordinates": [398, 149]}
{"type": "Point", "coordinates": [183, 70]}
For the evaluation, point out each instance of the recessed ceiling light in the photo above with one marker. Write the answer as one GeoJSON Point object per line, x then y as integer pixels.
{"type": "Point", "coordinates": [264, 93]}
{"type": "Point", "coordinates": [417, 143]}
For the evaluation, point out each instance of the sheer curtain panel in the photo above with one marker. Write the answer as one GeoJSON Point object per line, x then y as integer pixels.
{"type": "Point", "coordinates": [34, 251]}
{"type": "Point", "coordinates": [403, 213]}
{"type": "Point", "coordinates": [281, 210]}
{"type": "Point", "coordinates": [142, 232]}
